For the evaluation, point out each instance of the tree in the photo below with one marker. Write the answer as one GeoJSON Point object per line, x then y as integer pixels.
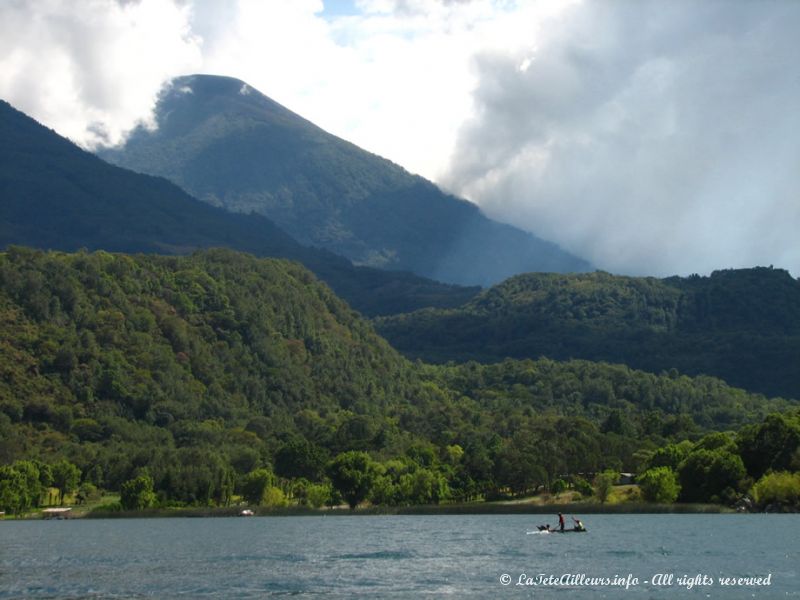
{"type": "Point", "coordinates": [558, 486]}
{"type": "Point", "coordinates": [583, 487]}
{"type": "Point", "coordinates": [519, 464]}
{"type": "Point", "coordinates": [65, 477]}
{"type": "Point", "coordinates": [710, 476]}
{"type": "Point", "coordinates": [670, 455]}
{"type": "Point", "coordinates": [778, 488]}
{"type": "Point", "coordinates": [318, 495]}
{"type": "Point", "coordinates": [603, 483]}
{"type": "Point", "coordinates": [45, 477]}
{"type": "Point", "coordinates": [353, 475]}
{"type": "Point", "coordinates": [453, 454]}
{"type": "Point", "coordinates": [769, 445]}
{"type": "Point", "coordinates": [423, 486]}
{"type": "Point", "coordinates": [659, 484]}
{"type": "Point", "coordinates": [32, 489]}
{"type": "Point", "coordinates": [273, 496]}
{"type": "Point", "coordinates": [300, 458]}
{"type": "Point", "coordinates": [137, 493]}
{"type": "Point", "coordinates": [255, 485]}
{"type": "Point", "coordinates": [12, 490]}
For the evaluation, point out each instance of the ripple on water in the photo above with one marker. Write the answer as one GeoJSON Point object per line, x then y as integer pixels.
{"type": "Point", "coordinates": [379, 555]}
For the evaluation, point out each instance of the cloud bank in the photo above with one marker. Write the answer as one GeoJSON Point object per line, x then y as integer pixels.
{"type": "Point", "coordinates": [649, 137]}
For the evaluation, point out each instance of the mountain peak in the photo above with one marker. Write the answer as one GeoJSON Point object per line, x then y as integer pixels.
{"type": "Point", "coordinates": [231, 146]}
{"type": "Point", "coordinates": [189, 101]}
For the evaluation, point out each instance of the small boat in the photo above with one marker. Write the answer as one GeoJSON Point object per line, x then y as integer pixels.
{"type": "Point", "coordinates": [56, 513]}
{"type": "Point", "coordinates": [546, 529]}
{"type": "Point", "coordinates": [246, 513]}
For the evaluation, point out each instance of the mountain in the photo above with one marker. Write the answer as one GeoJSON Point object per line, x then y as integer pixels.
{"type": "Point", "coordinates": [231, 146]}
{"type": "Point", "coordinates": [198, 370]}
{"type": "Point", "coordinates": [740, 325]}
{"type": "Point", "coordinates": [117, 351]}
{"type": "Point", "coordinates": [55, 195]}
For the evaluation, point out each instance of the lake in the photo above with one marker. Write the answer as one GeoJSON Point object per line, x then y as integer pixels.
{"type": "Point", "coordinates": [482, 556]}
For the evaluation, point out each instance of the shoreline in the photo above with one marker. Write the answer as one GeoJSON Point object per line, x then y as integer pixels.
{"type": "Point", "coordinates": [483, 508]}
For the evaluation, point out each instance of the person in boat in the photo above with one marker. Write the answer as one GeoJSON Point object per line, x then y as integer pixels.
{"type": "Point", "coordinates": [561, 521]}
{"type": "Point", "coordinates": [578, 525]}
{"type": "Point", "coordinates": [543, 527]}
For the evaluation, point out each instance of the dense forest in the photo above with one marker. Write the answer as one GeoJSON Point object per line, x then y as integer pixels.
{"type": "Point", "coordinates": [188, 380]}
{"type": "Point", "coordinates": [742, 325]}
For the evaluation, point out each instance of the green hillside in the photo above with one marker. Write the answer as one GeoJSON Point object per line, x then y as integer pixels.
{"type": "Point", "coordinates": [231, 146]}
{"type": "Point", "coordinates": [127, 352]}
{"type": "Point", "coordinates": [208, 372]}
{"type": "Point", "coordinates": [742, 325]}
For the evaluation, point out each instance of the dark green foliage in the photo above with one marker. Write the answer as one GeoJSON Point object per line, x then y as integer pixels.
{"type": "Point", "coordinates": [670, 456]}
{"type": "Point", "coordinates": [249, 154]}
{"type": "Point", "coordinates": [664, 406]}
{"type": "Point", "coordinates": [423, 486]}
{"type": "Point", "coordinates": [14, 497]}
{"type": "Point", "coordinates": [21, 485]}
{"type": "Point", "coordinates": [207, 368]}
{"type": "Point", "coordinates": [255, 486]}
{"type": "Point", "coordinates": [353, 474]}
{"type": "Point", "coordinates": [54, 195]}
{"type": "Point", "coordinates": [659, 484]}
{"type": "Point", "coordinates": [771, 445]}
{"type": "Point", "coordinates": [603, 482]}
{"type": "Point", "coordinates": [742, 326]}
{"type": "Point", "coordinates": [123, 362]}
{"type": "Point", "coordinates": [137, 493]}
{"type": "Point", "coordinates": [583, 487]}
{"type": "Point", "coordinates": [559, 486]}
{"type": "Point", "coordinates": [300, 458]}
{"type": "Point", "coordinates": [66, 478]}
{"type": "Point", "coordinates": [711, 476]}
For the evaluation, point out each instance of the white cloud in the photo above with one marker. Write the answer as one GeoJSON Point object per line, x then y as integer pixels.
{"type": "Point", "coordinates": [651, 139]}
{"type": "Point", "coordinates": [392, 76]}
{"type": "Point", "coordinates": [648, 137]}
{"type": "Point", "coordinates": [92, 69]}
{"type": "Point", "coordinates": [394, 80]}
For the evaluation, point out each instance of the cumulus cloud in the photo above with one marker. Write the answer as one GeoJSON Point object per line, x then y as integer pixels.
{"type": "Point", "coordinates": [650, 137]}
{"type": "Point", "coordinates": [92, 69]}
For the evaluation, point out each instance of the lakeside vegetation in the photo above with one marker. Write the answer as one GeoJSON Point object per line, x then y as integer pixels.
{"type": "Point", "coordinates": [202, 380]}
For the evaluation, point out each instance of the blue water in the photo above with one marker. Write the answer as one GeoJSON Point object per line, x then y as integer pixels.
{"type": "Point", "coordinates": [395, 557]}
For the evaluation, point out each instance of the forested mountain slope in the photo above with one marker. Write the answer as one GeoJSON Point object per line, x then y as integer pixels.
{"type": "Point", "coordinates": [740, 325]}
{"type": "Point", "coordinates": [202, 369]}
{"type": "Point", "coordinates": [231, 146]}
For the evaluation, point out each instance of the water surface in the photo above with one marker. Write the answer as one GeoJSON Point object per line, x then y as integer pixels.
{"type": "Point", "coordinates": [397, 557]}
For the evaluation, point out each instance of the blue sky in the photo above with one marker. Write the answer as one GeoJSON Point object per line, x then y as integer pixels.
{"type": "Point", "coordinates": [339, 8]}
